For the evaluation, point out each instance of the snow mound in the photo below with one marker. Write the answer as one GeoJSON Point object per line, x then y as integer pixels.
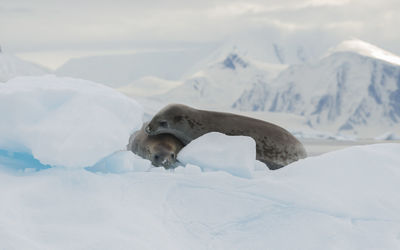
{"type": "Point", "coordinates": [218, 152]}
{"type": "Point", "coordinates": [364, 177]}
{"type": "Point", "coordinates": [121, 162]}
{"type": "Point", "coordinates": [64, 121]}
{"type": "Point", "coordinates": [346, 199]}
{"type": "Point", "coordinates": [366, 49]}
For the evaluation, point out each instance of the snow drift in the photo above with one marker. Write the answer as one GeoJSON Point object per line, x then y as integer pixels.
{"type": "Point", "coordinates": [232, 154]}
{"type": "Point", "coordinates": [341, 200]}
{"type": "Point", "coordinates": [64, 121]}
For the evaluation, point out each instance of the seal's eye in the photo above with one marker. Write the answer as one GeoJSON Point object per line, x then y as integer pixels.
{"type": "Point", "coordinates": [173, 156]}
{"type": "Point", "coordinates": [156, 157]}
{"type": "Point", "coordinates": [148, 129]}
{"type": "Point", "coordinates": [163, 124]}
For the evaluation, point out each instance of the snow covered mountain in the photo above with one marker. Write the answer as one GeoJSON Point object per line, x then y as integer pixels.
{"type": "Point", "coordinates": [179, 64]}
{"type": "Point", "coordinates": [11, 66]}
{"type": "Point", "coordinates": [275, 47]}
{"type": "Point", "coordinates": [237, 64]}
{"type": "Point", "coordinates": [354, 85]}
{"type": "Point", "coordinates": [270, 51]}
{"type": "Point", "coordinates": [221, 82]}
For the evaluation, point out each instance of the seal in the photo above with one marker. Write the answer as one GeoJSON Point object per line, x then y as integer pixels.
{"type": "Point", "coordinates": [275, 146]}
{"type": "Point", "coordinates": [161, 150]}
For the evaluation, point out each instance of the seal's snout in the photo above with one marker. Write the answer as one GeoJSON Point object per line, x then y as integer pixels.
{"type": "Point", "coordinates": [163, 159]}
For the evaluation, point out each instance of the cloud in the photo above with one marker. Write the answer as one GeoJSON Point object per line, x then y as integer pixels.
{"type": "Point", "coordinates": [52, 23]}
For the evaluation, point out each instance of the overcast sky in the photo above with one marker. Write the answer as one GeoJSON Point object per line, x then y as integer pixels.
{"type": "Point", "coordinates": [37, 26]}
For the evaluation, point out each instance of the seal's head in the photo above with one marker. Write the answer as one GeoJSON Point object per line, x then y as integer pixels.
{"type": "Point", "coordinates": [163, 157]}
{"type": "Point", "coordinates": [173, 120]}
{"type": "Point", "coordinates": [162, 150]}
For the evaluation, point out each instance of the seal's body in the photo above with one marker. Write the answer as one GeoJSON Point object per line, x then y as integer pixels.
{"type": "Point", "coordinates": [274, 145]}
{"type": "Point", "coordinates": [161, 149]}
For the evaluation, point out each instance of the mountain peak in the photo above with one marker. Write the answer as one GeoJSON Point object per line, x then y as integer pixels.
{"type": "Point", "coordinates": [233, 60]}
{"type": "Point", "coordinates": [365, 49]}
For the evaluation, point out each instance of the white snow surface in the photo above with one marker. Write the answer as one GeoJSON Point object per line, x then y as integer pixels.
{"type": "Point", "coordinates": [64, 121]}
{"type": "Point", "coordinates": [215, 151]}
{"type": "Point", "coordinates": [346, 199]}
{"type": "Point", "coordinates": [93, 195]}
{"type": "Point", "coordinates": [121, 162]}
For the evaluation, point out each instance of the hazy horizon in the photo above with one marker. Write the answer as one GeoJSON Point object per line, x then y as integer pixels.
{"type": "Point", "coordinates": [51, 32]}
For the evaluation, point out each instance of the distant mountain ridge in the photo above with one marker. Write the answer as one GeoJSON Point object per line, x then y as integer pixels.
{"type": "Point", "coordinates": [120, 70]}
{"type": "Point", "coordinates": [181, 64]}
{"type": "Point", "coordinates": [356, 84]}
{"type": "Point", "coordinates": [11, 66]}
{"type": "Point", "coordinates": [276, 48]}
{"type": "Point", "coordinates": [221, 82]}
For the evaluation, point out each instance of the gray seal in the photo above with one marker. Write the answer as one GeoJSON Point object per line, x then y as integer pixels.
{"type": "Point", "coordinates": [161, 150]}
{"type": "Point", "coordinates": [275, 146]}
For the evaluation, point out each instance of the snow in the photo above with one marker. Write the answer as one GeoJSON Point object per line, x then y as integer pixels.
{"type": "Point", "coordinates": [68, 184]}
{"type": "Point", "coordinates": [341, 200]}
{"type": "Point", "coordinates": [218, 152]}
{"type": "Point", "coordinates": [367, 174]}
{"type": "Point", "coordinates": [276, 47]}
{"type": "Point", "coordinates": [121, 162]}
{"type": "Point", "coordinates": [230, 75]}
{"type": "Point", "coordinates": [365, 49]}
{"type": "Point", "coordinates": [345, 92]}
{"type": "Point", "coordinates": [63, 121]}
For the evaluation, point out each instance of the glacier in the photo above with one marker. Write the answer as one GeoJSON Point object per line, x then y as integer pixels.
{"type": "Point", "coordinates": [100, 196]}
